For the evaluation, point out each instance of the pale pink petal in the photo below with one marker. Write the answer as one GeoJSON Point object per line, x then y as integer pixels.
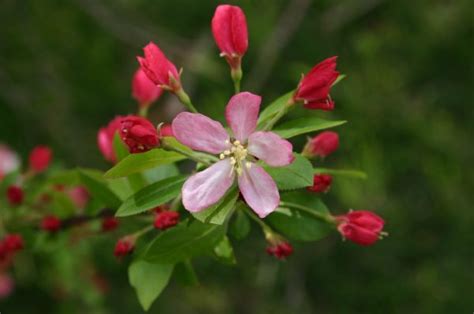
{"type": "Point", "coordinates": [259, 190]}
{"type": "Point", "coordinates": [242, 114]}
{"type": "Point", "coordinates": [200, 132]}
{"type": "Point", "coordinates": [207, 187]}
{"type": "Point", "coordinates": [270, 148]}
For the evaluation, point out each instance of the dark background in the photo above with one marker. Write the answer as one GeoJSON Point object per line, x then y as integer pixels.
{"type": "Point", "coordinates": [65, 70]}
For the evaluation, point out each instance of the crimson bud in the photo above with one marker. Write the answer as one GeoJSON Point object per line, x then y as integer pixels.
{"type": "Point", "coordinates": [15, 195]}
{"type": "Point", "coordinates": [321, 183]}
{"type": "Point", "coordinates": [109, 223]}
{"type": "Point", "coordinates": [124, 247]}
{"type": "Point", "coordinates": [322, 144]}
{"type": "Point", "coordinates": [144, 90]}
{"type": "Point", "coordinates": [138, 134]}
{"type": "Point", "coordinates": [166, 219]}
{"type": "Point", "coordinates": [13, 242]}
{"type": "Point", "coordinates": [40, 157]}
{"type": "Point", "coordinates": [361, 226]}
{"type": "Point", "coordinates": [280, 250]}
{"type": "Point", "coordinates": [51, 223]}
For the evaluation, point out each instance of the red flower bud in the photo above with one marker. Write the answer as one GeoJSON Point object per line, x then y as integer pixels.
{"type": "Point", "coordinates": [280, 250]}
{"type": "Point", "coordinates": [322, 144]}
{"type": "Point", "coordinates": [166, 219]}
{"type": "Point", "coordinates": [109, 223]}
{"type": "Point", "coordinates": [159, 69]}
{"type": "Point", "coordinates": [51, 223]}
{"type": "Point", "coordinates": [361, 226]}
{"type": "Point", "coordinates": [105, 139]}
{"type": "Point", "coordinates": [229, 28]}
{"type": "Point", "coordinates": [321, 183]}
{"type": "Point", "coordinates": [15, 195]}
{"type": "Point", "coordinates": [166, 130]}
{"type": "Point", "coordinates": [40, 157]}
{"type": "Point", "coordinates": [314, 88]}
{"type": "Point", "coordinates": [13, 242]}
{"type": "Point", "coordinates": [144, 90]}
{"type": "Point", "coordinates": [138, 134]}
{"type": "Point", "coordinates": [9, 161]}
{"type": "Point", "coordinates": [124, 247]}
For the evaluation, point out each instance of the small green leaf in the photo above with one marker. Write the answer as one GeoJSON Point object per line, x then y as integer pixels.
{"type": "Point", "coordinates": [240, 225]}
{"type": "Point", "coordinates": [139, 162]}
{"type": "Point", "coordinates": [183, 242]}
{"type": "Point", "coordinates": [274, 107]}
{"type": "Point", "coordinates": [98, 187]}
{"type": "Point", "coordinates": [218, 213]}
{"type": "Point", "coordinates": [151, 196]}
{"type": "Point", "coordinates": [66, 177]}
{"type": "Point", "coordinates": [298, 174]}
{"type": "Point", "coordinates": [161, 172]}
{"type": "Point", "coordinates": [298, 225]}
{"type": "Point", "coordinates": [149, 280]}
{"type": "Point", "coordinates": [304, 125]}
{"type": "Point", "coordinates": [224, 251]}
{"type": "Point", "coordinates": [342, 172]}
{"type": "Point", "coordinates": [339, 78]}
{"type": "Point", "coordinates": [120, 149]}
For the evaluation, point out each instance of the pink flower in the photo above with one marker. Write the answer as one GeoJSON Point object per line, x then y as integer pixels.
{"type": "Point", "coordinates": [15, 195]}
{"type": "Point", "coordinates": [105, 139]}
{"type": "Point", "coordinates": [229, 28]}
{"type": "Point", "coordinates": [321, 183]}
{"type": "Point", "coordinates": [138, 134]}
{"type": "Point", "coordinates": [159, 69]}
{"type": "Point", "coordinates": [40, 157]}
{"type": "Point", "coordinates": [322, 144]}
{"type": "Point", "coordinates": [238, 155]}
{"type": "Point", "coordinates": [314, 88]}
{"type": "Point", "coordinates": [361, 226]}
{"type": "Point", "coordinates": [9, 160]}
{"type": "Point", "coordinates": [144, 90]}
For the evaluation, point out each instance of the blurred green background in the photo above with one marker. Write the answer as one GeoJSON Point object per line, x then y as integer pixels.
{"type": "Point", "coordinates": [65, 70]}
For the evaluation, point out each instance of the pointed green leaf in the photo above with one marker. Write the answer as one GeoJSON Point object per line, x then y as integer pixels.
{"type": "Point", "coordinates": [185, 274]}
{"type": "Point", "coordinates": [218, 213]}
{"type": "Point", "coordinates": [151, 196]}
{"type": "Point", "coordinates": [274, 107]}
{"type": "Point", "coordinates": [149, 280]}
{"type": "Point", "coordinates": [224, 251]}
{"type": "Point", "coordinates": [139, 162]}
{"type": "Point", "coordinates": [298, 174]}
{"type": "Point", "coordinates": [97, 186]}
{"type": "Point", "coordinates": [304, 125]}
{"type": "Point", "coordinates": [183, 242]}
{"type": "Point", "coordinates": [240, 225]}
{"type": "Point", "coordinates": [298, 225]}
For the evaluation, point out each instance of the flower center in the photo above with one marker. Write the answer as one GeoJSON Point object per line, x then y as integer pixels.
{"type": "Point", "coordinates": [237, 154]}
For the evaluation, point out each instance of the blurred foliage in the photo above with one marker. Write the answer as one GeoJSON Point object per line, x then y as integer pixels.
{"type": "Point", "coordinates": [65, 71]}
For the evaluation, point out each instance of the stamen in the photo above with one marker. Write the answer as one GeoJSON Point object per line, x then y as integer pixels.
{"type": "Point", "coordinates": [248, 164]}
{"type": "Point", "coordinates": [221, 156]}
{"type": "Point", "coordinates": [227, 152]}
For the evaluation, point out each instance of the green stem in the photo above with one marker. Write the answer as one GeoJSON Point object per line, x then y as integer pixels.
{"type": "Point", "coordinates": [185, 100]}
{"type": "Point", "coordinates": [236, 74]}
{"type": "Point", "coordinates": [267, 230]}
{"type": "Point", "coordinates": [279, 115]}
{"type": "Point", "coordinates": [324, 217]}
{"type": "Point", "coordinates": [141, 232]}
{"type": "Point", "coordinates": [185, 153]}
{"type": "Point", "coordinates": [143, 110]}
{"type": "Point", "coordinates": [342, 172]}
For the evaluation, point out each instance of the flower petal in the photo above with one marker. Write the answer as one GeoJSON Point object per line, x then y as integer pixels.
{"type": "Point", "coordinates": [271, 148]}
{"type": "Point", "coordinates": [206, 188]}
{"type": "Point", "coordinates": [242, 114]}
{"type": "Point", "coordinates": [259, 190]}
{"type": "Point", "coordinates": [200, 132]}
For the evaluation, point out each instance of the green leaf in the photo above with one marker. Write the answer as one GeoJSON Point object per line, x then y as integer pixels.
{"type": "Point", "coordinates": [151, 196]}
{"type": "Point", "coordinates": [66, 177]}
{"type": "Point", "coordinates": [185, 274]}
{"type": "Point", "coordinates": [139, 162]}
{"type": "Point", "coordinates": [240, 225]}
{"type": "Point", "coordinates": [120, 149]}
{"type": "Point", "coordinates": [274, 107]}
{"type": "Point", "coordinates": [304, 125]}
{"type": "Point", "coordinates": [161, 172]}
{"type": "Point", "coordinates": [149, 280]}
{"type": "Point", "coordinates": [224, 251]}
{"type": "Point", "coordinates": [97, 186]}
{"type": "Point", "coordinates": [298, 174]}
{"type": "Point", "coordinates": [183, 242]}
{"type": "Point", "coordinates": [218, 213]}
{"type": "Point", "coordinates": [342, 172]}
{"type": "Point", "coordinates": [298, 225]}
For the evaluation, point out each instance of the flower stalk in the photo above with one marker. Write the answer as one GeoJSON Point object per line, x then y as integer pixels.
{"type": "Point", "coordinates": [324, 217]}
